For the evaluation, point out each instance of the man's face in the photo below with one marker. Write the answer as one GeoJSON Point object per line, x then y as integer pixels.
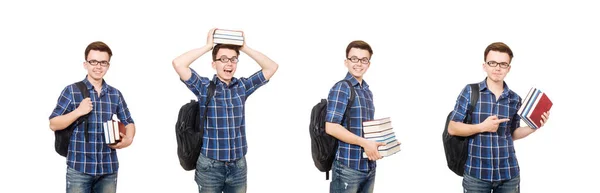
{"type": "Point", "coordinates": [358, 62]}
{"type": "Point", "coordinates": [225, 70]}
{"type": "Point", "coordinates": [97, 64]}
{"type": "Point", "coordinates": [497, 65]}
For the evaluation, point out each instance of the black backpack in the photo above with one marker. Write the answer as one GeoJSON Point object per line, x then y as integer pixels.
{"type": "Point", "coordinates": [62, 138]}
{"type": "Point", "coordinates": [323, 145]}
{"type": "Point", "coordinates": [189, 130]}
{"type": "Point", "coordinates": [456, 147]}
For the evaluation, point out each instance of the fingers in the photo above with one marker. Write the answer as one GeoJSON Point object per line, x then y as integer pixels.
{"type": "Point", "coordinates": [380, 144]}
{"type": "Point", "coordinates": [501, 121]}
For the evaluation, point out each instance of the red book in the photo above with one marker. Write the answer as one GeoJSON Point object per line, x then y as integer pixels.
{"type": "Point", "coordinates": [532, 108]}
{"type": "Point", "coordinates": [541, 106]}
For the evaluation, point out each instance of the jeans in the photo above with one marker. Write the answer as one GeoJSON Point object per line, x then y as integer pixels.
{"type": "Point", "coordinates": [475, 185]}
{"type": "Point", "coordinates": [213, 176]}
{"type": "Point", "coordinates": [348, 180]}
{"type": "Point", "coordinates": [79, 182]}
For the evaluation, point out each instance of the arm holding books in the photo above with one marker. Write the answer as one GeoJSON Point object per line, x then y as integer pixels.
{"type": "Point", "coordinates": [341, 133]}
{"type": "Point", "coordinates": [523, 132]}
{"type": "Point", "coordinates": [183, 62]}
{"type": "Point", "coordinates": [490, 124]}
{"type": "Point", "coordinates": [126, 138]}
{"type": "Point", "coordinates": [63, 121]}
{"type": "Point", "coordinates": [269, 67]}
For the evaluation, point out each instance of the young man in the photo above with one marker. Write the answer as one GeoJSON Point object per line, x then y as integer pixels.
{"type": "Point", "coordinates": [351, 172]}
{"type": "Point", "coordinates": [492, 164]}
{"type": "Point", "coordinates": [221, 166]}
{"type": "Point", "coordinates": [92, 165]}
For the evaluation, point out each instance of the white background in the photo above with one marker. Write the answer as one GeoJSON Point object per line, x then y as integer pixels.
{"type": "Point", "coordinates": [424, 54]}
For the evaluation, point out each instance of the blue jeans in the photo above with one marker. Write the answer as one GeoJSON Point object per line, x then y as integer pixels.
{"type": "Point", "coordinates": [475, 185]}
{"type": "Point", "coordinates": [213, 176]}
{"type": "Point", "coordinates": [348, 180]}
{"type": "Point", "coordinates": [79, 182]}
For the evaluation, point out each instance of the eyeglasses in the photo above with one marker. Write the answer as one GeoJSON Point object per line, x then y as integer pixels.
{"type": "Point", "coordinates": [494, 64]}
{"type": "Point", "coordinates": [355, 59]}
{"type": "Point", "coordinates": [224, 59]}
{"type": "Point", "coordinates": [103, 63]}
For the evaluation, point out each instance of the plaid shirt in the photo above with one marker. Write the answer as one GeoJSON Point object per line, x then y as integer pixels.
{"type": "Point", "coordinates": [361, 110]}
{"type": "Point", "coordinates": [225, 131]}
{"type": "Point", "coordinates": [93, 157]}
{"type": "Point", "coordinates": [491, 154]}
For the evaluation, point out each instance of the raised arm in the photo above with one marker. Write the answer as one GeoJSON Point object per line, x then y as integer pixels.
{"type": "Point", "coordinates": [183, 62]}
{"type": "Point", "coordinates": [269, 67]}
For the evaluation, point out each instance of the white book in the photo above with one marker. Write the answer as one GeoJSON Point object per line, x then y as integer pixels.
{"type": "Point", "coordinates": [106, 132]}
{"type": "Point", "coordinates": [116, 128]}
{"type": "Point", "coordinates": [228, 32]}
{"type": "Point", "coordinates": [381, 130]}
{"type": "Point", "coordinates": [111, 132]}
{"type": "Point", "coordinates": [228, 41]}
{"type": "Point", "coordinates": [229, 37]}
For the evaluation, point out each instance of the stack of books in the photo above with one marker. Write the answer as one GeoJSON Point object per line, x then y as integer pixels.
{"type": "Point", "coordinates": [112, 128]}
{"type": "Point", "coordinates": [535, 104]}
{"type": "Point", "coordinates": [224, 36]}
{"type": "Point", "coordinates": [381, 130]}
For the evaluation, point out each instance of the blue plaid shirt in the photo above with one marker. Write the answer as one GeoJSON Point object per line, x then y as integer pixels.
{"type": "Point", "coordinates": [361, 110]}
{"type": "Point", "coordinates": [93, 157]}
{"type": "Point", "coordinates": [491, 154]}
{"type": "Point", "coordinates": [225, 131]}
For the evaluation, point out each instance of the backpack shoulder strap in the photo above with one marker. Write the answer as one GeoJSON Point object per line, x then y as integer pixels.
{"type": "Point", "coordinates": [209, 94]}
{"type": "Point", "coordinates": [85, 94]}
{"type": "Point", "coordinates": [474, 99]}
{"type": "Point", "coordinates": [350, 102]}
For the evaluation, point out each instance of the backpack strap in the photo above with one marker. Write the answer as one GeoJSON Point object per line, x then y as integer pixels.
{"type": "Point", "coordinates": [350, 102]}
{"type": "Point", "coordinates": [85, 118]}
{"type": "Point", "coordinates": [474, 99]}
{"type": "Point", "coordinates": [210, 94]}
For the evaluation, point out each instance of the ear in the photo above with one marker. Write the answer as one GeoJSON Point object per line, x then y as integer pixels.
{"type": "Point", "coordinates": [84, 65]}
{"type": "Point", "coordinates": [214, 65]}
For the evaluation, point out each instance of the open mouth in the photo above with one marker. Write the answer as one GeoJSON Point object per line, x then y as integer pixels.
{"type": "Point", "coordinates": [228, 71]}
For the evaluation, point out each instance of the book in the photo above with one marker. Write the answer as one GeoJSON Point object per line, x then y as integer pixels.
{"type": "Point", "coordinates": [225, 36]}
{"type": "Point", "coordinates": [111, 129]}
{"type": "Point", "coordinates": [535, 104]}
{"type": "Point", "coordinates": [381, 130]}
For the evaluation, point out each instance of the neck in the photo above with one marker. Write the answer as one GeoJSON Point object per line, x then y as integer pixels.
{"type": "Point", "coordinates": [495, 86]}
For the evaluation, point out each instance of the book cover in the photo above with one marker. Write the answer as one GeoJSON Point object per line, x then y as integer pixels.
{"type": "Point", "coordinates": [225, 36]}
{"type": "Point", "coordinates": [111, 129]}
{"type": "Point", "coordinates": [381, 130]}
{"type": "Point", "coordinates": [532, 108]}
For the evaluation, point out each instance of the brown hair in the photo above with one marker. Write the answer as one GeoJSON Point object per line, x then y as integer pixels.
{"type": "Point", "coordinates": [360, 45]}
{"type": "Point", "coordinates": [98, 46]}
{"type": "Point", "coordinates": [499, 47]}
{"type": "Point", "coordinates": [216, 49]}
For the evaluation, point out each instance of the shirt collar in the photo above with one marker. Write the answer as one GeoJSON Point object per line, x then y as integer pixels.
{"type": "Point", "coordinates": [218, 81]}
{"type": "Point", "coordinates": [354, 81]}
{"type": "Point", "coordinates": [483, 86]}
{"type": "Point", "coordinates": [89, 85]}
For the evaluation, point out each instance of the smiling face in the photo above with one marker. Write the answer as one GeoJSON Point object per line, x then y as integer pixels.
{"type": "Point", "coordinates": [225, 64]}
{"type": "Point", "coordinates": [358, 62]}
{"type": "Point", "coordinates": [97, 64]}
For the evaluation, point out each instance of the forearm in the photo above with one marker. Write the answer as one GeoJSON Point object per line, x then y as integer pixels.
{"type": "Point", "coordinates": [183, 62]}
{"type": "Point", "coordinates": [342, 134]}
{"type": "Point", "coordinates": [462, 129]}
{"type": "Point", "coordinates": [130, 130]}
{"type": "Point", "coordinates": [63, 121]}
{"type": "Point", "coordinates": [269, 67]}
{"type": "Point", "coordinates": [522, 132]}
